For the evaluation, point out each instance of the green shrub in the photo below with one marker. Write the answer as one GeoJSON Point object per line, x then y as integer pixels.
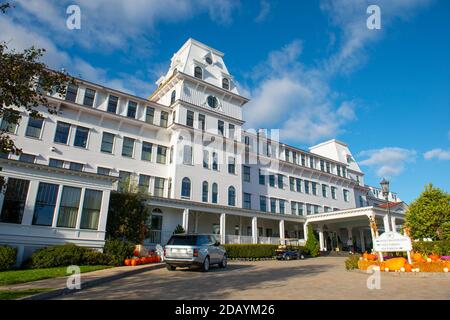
{"type": "Point", "coordinates": [250, 250]}
{"type": "Point", "coordinates": [66, 255]}
{"type": "Point", "coordinates": [118, 250]}
{"type": "Point", "coordinates": [441, 247]}
{"type": "Point", "coordinates": [312, 244]}
{"type": "Point", "coordinates": [7, 258]}
{"type": "Point", "coordinates": [352, 262]}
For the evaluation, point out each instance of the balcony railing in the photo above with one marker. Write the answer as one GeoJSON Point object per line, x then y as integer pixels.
{"type": "Point", "coordinates": [232, 239]}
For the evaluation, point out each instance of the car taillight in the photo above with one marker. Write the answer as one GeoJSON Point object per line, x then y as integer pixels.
{"type": "Point", "coordinates": [195, 254]}
{"type": "Point", "coordinates": [164, 252]}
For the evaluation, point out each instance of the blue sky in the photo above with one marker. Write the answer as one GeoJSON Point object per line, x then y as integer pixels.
{"type": "Point", "coordinates": [311, 68]}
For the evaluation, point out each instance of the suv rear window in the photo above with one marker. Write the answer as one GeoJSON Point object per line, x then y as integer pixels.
{"type": "Point", "coordinates": [194, 240]}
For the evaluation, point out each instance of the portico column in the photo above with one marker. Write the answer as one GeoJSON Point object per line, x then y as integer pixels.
{"type": "Point", "coordinates": [321, 239]}
{"type": "Point", "coordinates": [186, 220]}
{"type": "Point", "coordinates": [363, 242]}
{"type": "Point", "coordinates": [393, 224]}
{"type": "Point", "coordinates": [255, 230]}
{"type": "Point", "coordinates": [282, 231]}
{"type": "Point", "coordinates": [222, 227]}
{"type": "Point", "coordinates": [386, 223]}
{"type": "Point", "coordinates": [349, 236]}
{"type": "Point", "coordinates": [305, 230]}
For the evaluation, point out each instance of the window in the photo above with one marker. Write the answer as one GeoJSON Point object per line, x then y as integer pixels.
{"type": "Point", "coordinates": [55, 163]}
{"type": "Point", "coordinates": [190, 118]}
{"type": "Point", "coordinates": [215, 165]}
{"type": "Point", "coordinates": [132, 108]}
{"type": "Point", "coordinates": [214, 193]}
{"type": "Point", "coordinates": [231, 196]}
{"type": "Point", "coordinates": [262, 203]}
{"type": "Point", "coordinates": [300, 209]}
{"type": "Point", "coordinates": [292, 183]}
{"type": "Point", "coordinates": [173, 97]}
{"type": "Point", "coordinates": [159, 187]}
{"type": "Point", "coordinates": [171, 154]}
{"type": "Point", "coordinates": [91, 209]}
{"type": "Point", "coordinates": [34, 127]}
{"type": "Point", "coordinates": [303, 159]}
{"type": "Point", "coordinates": [45, 204]}
{"type": "Point", "coordinates": [68, 209]}
{"type": "Point", "coordinates": [103, 171]}
{"type": "Point", "coordinates": [231, 165]}
{"type": "Point", "coordinates": [294, 157]}
{"type": "Point", "coordinates": [112, 104]}
{"type": "Point", "coordinates": [299, 185]}
{"type": "Point", "coordinates": [14, 200]}
{"type": "Point", "coordinates": [247, 140]}
{"type": "Point", "coordinates": [75, 166]}
{"type": "Point", "coordinates": [333, 193]}
{"type": "Point", "coordinates": [198, 72]}
{"type": "Point", "coordinates": [226, 83]}
{"type": "Point", "coordinates": [128, 147]}
{"type": "Point", "coordinates": [26, 157]}
{"type": "Point", "coordinates": [9, 117]}
{"type": "Point", "coordinates": [201, 122]}
{"type": "Point", "coordinates": [282, 206]}
{"type": "Point", "coordinates": [316, 209]}
{"type": "Point", "coordinates": [324, 191]}
{"type": "Point", "coordinates": [262, 178]}
{"type": "Point", "coordinates": [71, 92]}
{"type": "Point", "coordinates": [205, 159]}
{"type": "Point", "coordinates": [161, 155]}
{"type": "Point", "coordinates": [220, 127]}
{"type": "Point", "coordinates": [62, 132]}
{"type": "Point", "coordinates": [144, 183]}
{"type": "Point", "coordinates": [231, 131]}
{"type": "Point", "coordinates": [149, 115]}
{"type": "Point", "coordinates": [186, 188]}
{"type": "Point", "coordinates": [322, 165]}
{"type": "Point", "coordinates": [326, 209]}
{"type": "Point", "coordinates": [247, 201]}
{"type": "Point", "coordinates": [280, 181]}
{"type": "Point", "coordinates": [338, 168]}
{"type": "Point", "coordinates": [328, 167]}
{"type": "Point", "coordinates": [293, 207]}
{"type": "Point", "coordinates": [311, 162]}
{"type": "Point", "coordinates": [287, 155]}
{"type": "Point", "coordinates": [146, 153]}
{"type": "Point", "coordinates": [308, 209]}
{"type": "Point", "coordinates": [314, 188]}
{"type": "Point", "coordinates": [187, 154]}
{"type": "Point", "coordinates": [124, 181]}
{"type": "Point", "coordinates": [81, 137]}
{"type": "Point", "coordinates": [307, 186]}
{"type": "Point", "coordinates": [164, 119]}
{"type": "Point", "coordinates": [246, 173]}
{"type": "Point", "coordinates": [272, 180]}
{"type": "Point", "coordinates": [89, 96]}
{"type": "Point", "coordinates": [273, 205]}
{"type": "Point", "coordinates": [107, 142]}
{"type": "Point", "coordinates": [346, 195]}
{"type": "Point", "coordinates": [205, 191]}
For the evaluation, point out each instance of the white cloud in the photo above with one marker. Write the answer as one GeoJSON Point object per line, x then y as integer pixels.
{"type": "Point", "coordinates": [264, 11]}
{"type": "Point", "coordinates": [439, 154]}
{"type": "Point", "coordinates": [387, 162]}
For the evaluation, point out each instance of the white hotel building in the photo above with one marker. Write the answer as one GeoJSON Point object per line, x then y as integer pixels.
{"type": "Point", "coordinates": [186, 148]}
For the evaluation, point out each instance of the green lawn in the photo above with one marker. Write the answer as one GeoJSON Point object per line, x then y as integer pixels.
{"type": "Point", "coordinates": [21, 276]}
{"type": "Point", "coordinates": [16, 294]}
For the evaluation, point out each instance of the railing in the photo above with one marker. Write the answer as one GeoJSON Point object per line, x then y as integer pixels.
{"type": "Point", "coordinates": [232, 239]}
{"type": "Point", "coordinates": [268, 240]}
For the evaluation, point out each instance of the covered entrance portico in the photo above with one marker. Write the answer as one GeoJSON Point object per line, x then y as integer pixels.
{"type": "Point", "coordinates": [349, 230]}
{"type": "Point", "coordinates": [229, 225]}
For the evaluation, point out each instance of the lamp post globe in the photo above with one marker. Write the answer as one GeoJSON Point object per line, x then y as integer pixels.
{"type": "Point", "coordinates": [385, 189]}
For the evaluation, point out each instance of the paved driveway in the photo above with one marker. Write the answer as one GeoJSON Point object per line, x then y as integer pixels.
{"type": "Point", "coordinates": [319, 278]}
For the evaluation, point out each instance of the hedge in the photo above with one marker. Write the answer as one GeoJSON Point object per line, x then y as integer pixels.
{"type": "Point", "coordinates": [7, 258]}
{"type": "Point", "coordinates": [118, 250]}
{"type": "Point", "coordinates": [254, 250]}
{"type": "Point", "coordinates": [440, 247]}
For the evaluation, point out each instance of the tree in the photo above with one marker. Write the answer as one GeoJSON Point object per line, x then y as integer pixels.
{"type": "Point", "coordinates": [128, 217]}
{"type": "Point", "coordinates": [179, 229]}
{"type": "Point", "coordinates": [429, 215]}
{"type": "Point", "coordinates": [25, 82]}
{"type": "Point", "coordinates": [312, 244]}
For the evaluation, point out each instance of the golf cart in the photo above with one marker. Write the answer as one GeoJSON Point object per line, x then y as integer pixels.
{"type": "Point", "coordinates": [286, 252]}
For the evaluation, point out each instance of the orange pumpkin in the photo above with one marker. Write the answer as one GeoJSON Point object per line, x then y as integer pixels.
{"type": "Point", "coordinates": [365, 254]}
{"type": "Point", "coordinates": [417, 257]}
{"type": "Point", "coordinates": [395, 264]}
{"type": "Point", "coordinates": [143, 260]}
{"type": "Point", "coordinates": [408, 267]}
{"type": "Point", "coordinates": [371, 257]}
{"type": "Point", "coordinates": [434, 257]}
{"type": "Point", "coordinates": [127, 262]}
{"type": "Point", "coordinates": [382, 266]}
{"type": "Point", "coordinates": [134, 262]}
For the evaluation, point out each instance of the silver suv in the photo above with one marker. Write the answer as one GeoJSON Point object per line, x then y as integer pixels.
{"type": "Point", "coordinates": [186, 250]}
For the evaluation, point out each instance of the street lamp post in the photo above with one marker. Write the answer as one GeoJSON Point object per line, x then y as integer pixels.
{"type": "Point", "coordinates": [385, 189]}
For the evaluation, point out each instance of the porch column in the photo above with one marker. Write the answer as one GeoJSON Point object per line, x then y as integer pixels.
{"type": "Point", "coordinates": [305, 230]}
{"type": "Point", "coordinates": [255, 230]}
{"type": "Point", "coordinates": [393, 224]}
{"type": "Point", "coordinates": [363, 242]}
{"type": "Point", "coordinates": [386, 224]}
{"type": "Point", "coordinates": [186, 220]}
{"type": "Point", "coordinates": [222, 227]}
{"type": "Point", "coordinates": [321, 243]}
{"type": "Point", "coordinates": [349, 236]}
{"type": "Point", "coordinates": [196, 223]}
{"type": "Point", "coordinates": [282, 231]}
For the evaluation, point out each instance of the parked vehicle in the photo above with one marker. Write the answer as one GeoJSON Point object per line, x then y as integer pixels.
{"type": "Point", "coordinates": [187, 250]}
{"type": "Point", "coordinates": [284, 252]}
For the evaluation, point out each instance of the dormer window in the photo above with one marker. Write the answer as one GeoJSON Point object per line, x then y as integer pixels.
{"type": "Point", "coordinates": [226, 83]}
{"type": "Point", "coordinates": [212, 102]}
{"type": "Point", "coordinates": [208, 60]}
{"type": "Point", "coordinates": [173, 97]}
{"type": "Point", "coordinates": [198, 72]}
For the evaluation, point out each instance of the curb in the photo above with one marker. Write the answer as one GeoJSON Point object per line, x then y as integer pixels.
{"type": "Point", "coordinates": [439, 275]}
{"type": "Point", "coordinates": [90, 283]}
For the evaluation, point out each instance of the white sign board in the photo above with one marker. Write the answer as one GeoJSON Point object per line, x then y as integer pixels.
{"type": "Point", "coordinates": [392, 242]}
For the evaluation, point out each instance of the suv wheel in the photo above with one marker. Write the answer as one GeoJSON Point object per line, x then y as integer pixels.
{"type": "Point", "coordinates": [205, 265]}
{"type": "Point", "coordinates": [224, 262]}
{"type": "Point", "coordinates": [170, 267]}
